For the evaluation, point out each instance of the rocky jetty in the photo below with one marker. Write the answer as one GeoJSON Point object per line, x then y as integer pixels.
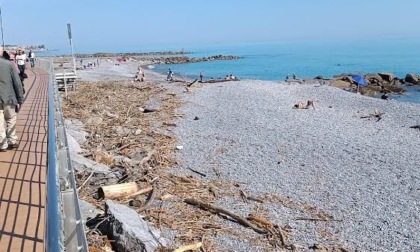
{"type": "Point", "coordinates": [141, 54]}
{"type": "Point", "coordinates": [158, 57]}
{"type": "Point", "coordinates": [184, 59]}
{"type": "Point", "coordinates": [385, 83]}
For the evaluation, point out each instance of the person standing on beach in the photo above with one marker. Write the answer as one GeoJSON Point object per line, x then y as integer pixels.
{"type": "Point", "coordinates": [201, 76]}
{"type": "Point", "coordinates": [21, 60]}
{"type": "Point", "coordinates": [169, 77]}
{"type": "Point", "coordinates": [11, 97]}
{"type": "Point", "coordinates": [32, 58]}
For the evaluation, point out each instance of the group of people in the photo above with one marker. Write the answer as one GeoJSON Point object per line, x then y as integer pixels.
{"type": "Point", "coordinates": [90, 64]}
{"type": "Point", "coordinates": [230, 77]}
{"type": "Point", "coordinates": [12, 72]}
{"type": "Point", "coordinates": [294, 77]}
{"type": "Point", "coordinates": [140, 75]}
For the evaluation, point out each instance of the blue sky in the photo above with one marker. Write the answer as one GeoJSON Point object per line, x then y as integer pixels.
{"type": "Point", "coordinates": [134, 23]}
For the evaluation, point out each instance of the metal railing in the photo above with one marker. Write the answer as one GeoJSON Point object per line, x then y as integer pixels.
{"type": "Point", "coordinates": [64, 221]}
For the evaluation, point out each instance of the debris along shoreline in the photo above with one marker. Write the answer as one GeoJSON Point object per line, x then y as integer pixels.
{"type": "Point", "coordinates": [138, 147]}
{"type": "Point", "coordinates": [206, 169]}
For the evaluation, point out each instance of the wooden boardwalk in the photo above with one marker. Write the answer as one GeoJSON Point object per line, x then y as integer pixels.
{"type": "Point", "coordinates": [23, 172]}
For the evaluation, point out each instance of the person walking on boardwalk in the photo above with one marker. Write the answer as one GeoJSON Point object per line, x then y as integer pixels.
{"type": "Point", "coordinates": [32, 58]}
{"type": "Point", "coordinates": [21, 60]}
{"type": "Point", "coordinates": [11, 97]}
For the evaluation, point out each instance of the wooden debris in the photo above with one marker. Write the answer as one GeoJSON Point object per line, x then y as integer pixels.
{"type": "Point", "coordinates": [217, 209]}
{"type": "Point", "coordinates": [260, 220]}
{"type": "Point", "coordinates": [190, 84]}
{"type": "Point", "coordinates": [195, 171]}
{"type": "Point", "coordinates": [314, 219]}
{"type": "Point", "coordinates": [140, 192]}
{"type": "Point", "coordinates": [189, 247]}
{"type": "Point", "coordinates": [117, 191]}
{"type": "Point", "coordinates": [150, 198]}
{"type": "Point", "coordinates": [85, 182]}
{"type": "Point", "coordinates": [376, 114]}
{"type": "Point", "coordinates": [274, 231]}
{"type": "Point", "coordinates": [249, 197]}
{"type": "Point", "coordinates": [147, 158]}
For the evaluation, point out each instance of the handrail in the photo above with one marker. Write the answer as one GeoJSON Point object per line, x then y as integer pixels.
{"type": "Point", "coordinates": [53, 236]}
{"type": "Point", "coordinates": [64, 221]}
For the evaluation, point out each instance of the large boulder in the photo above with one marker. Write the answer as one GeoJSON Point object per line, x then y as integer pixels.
{"type": "Point", "coordinates": [129, 231]}
{"type": "Point", "coordinates": [412, 78]}
{"type": "Point", "coordinates": [374, 78]}
{"type": "Point", "coordinates": [388, 77]}
{"type": "Point", "coordinates": [340, 83]}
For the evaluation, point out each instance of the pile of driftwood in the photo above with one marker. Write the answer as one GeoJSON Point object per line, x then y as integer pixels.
{"type": "Point", "coordinates": [129, 127]}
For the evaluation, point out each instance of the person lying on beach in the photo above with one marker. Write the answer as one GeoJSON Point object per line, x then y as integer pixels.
{"type": "Point", "coordinates": [301, 105]}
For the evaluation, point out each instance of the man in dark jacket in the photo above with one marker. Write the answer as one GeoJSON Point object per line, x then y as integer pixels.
{"type": "Point", "coordinates": [11, 97]}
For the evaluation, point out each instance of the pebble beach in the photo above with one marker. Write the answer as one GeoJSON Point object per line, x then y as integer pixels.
{"type": "Point", "coordinates": [341, 162]}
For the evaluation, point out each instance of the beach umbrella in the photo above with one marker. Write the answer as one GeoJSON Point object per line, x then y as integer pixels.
{"type": "Point", "coordinates": [360, 80]}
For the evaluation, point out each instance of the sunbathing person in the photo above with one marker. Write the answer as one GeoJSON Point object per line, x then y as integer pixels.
{"type": "Point", "coordinates": [301, 105]}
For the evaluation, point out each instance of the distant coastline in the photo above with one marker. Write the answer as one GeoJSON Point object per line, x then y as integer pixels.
{"type": "Point", "coordinates": [35, 48]}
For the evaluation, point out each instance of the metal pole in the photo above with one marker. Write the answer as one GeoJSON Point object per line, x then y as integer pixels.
{"type": "Point", "coordinates": [1, 23]}
{"type": "Point", "coordinates": [71, 45]}
{"type": "Point", "coordinates": [72, 54]}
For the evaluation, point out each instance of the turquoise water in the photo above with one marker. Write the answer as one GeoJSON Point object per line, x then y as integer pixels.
{"type": "Point", "coordinates": [273, 61]}
{"type": "Point", "coordinates": [308, 59]}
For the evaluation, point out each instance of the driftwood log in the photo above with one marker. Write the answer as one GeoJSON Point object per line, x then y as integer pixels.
{"type": "Point", "coordinates": [117, 191]}
{"type": "Point", "coordinates": [190, 84]}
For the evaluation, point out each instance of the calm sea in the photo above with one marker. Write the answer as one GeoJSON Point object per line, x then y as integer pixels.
{"type": "Point", "coordinates": [273, 61]}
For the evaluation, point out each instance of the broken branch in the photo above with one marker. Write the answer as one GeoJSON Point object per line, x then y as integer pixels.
{"type": "Point", "coordinates": [211, 207]}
